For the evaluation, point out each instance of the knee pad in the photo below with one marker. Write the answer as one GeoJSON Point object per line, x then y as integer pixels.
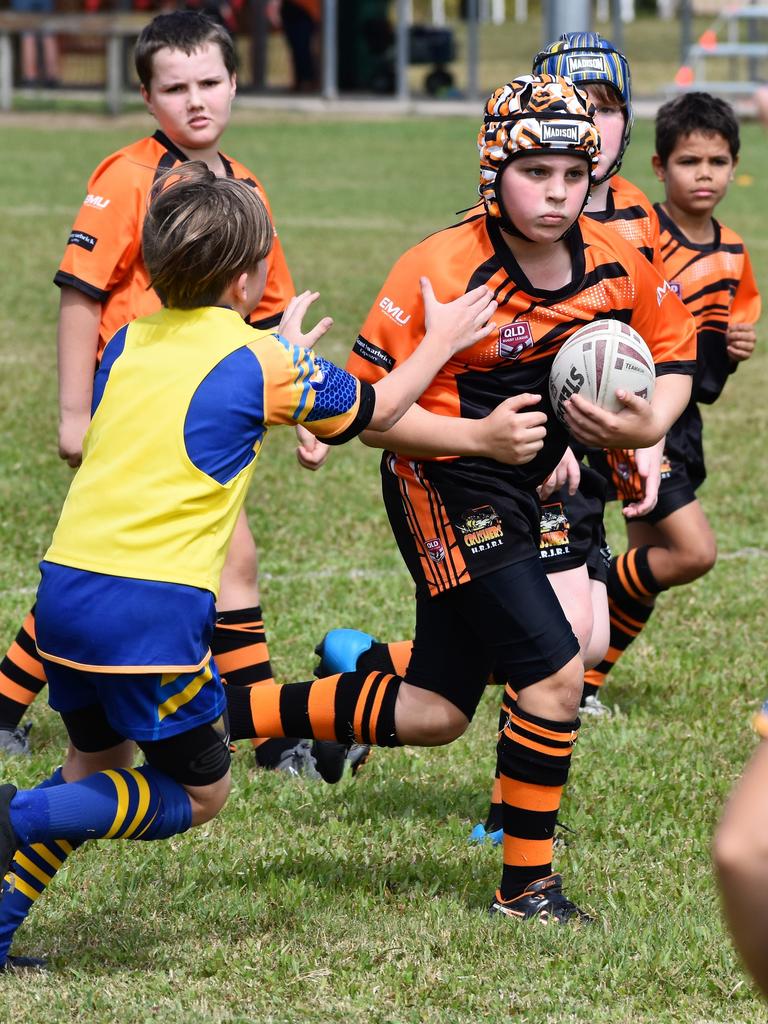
{"type": "Point", "coordinates": [198, 757]}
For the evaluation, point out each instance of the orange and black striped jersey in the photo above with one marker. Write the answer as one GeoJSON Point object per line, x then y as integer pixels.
{"type": "Point", "coordinates": [631, 214]}
{"type": "Point", "coordinates": [609, 280]}
{"type": "Point", "coordinates": [716, 283]}
{"type": "Point", "coordinates": [103, 254]}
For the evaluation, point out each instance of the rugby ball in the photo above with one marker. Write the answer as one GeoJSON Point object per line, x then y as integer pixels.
{"type": "Point", "coordinates": [597, 360]}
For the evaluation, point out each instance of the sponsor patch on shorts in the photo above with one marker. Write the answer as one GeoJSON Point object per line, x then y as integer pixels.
{"type": "Point", "coordinates": [554, 531]}
{"type": "Point", "coordinates": [481, 529]}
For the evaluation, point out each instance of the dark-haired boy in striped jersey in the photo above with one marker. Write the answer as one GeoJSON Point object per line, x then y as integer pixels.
{"type": "Point", "coordinates": [707, 265]}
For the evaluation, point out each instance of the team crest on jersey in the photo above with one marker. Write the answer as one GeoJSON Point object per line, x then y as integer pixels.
{"type": "Point", "coordinates": [677, 288]}
{"type": "Point", "coordinates": [554, 531]}
{"type": "Point", "coordinates": [435, 549]}
{"type": "Point", "coordinates": [481, 529]}
{"type": "Point", "coordinates": [514, 339]}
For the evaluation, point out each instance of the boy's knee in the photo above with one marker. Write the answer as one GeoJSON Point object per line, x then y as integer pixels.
{"type": "Point", "coordinates": [426, 719]}
{"type": "Point", "coordinates": [697, 560]}
{"type": "Point", "coordinates": [207, 801]}
{"type": "Point", "coordinates": [558, 696]}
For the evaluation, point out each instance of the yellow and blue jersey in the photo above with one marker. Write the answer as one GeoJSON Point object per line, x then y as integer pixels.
{"type": "Point", "coordinates": [182, 404]}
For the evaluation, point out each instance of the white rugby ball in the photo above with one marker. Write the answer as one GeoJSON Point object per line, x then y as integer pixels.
{"type": "Point", "coordinates": [599, 359]}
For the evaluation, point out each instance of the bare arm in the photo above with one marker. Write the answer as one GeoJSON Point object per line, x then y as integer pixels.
{"type": "Point", "coordinates": [509, 434]}
{"type": "Point", "coordinates": [78, 342]}
{"type": "Point", "coordinates": [450, 327]}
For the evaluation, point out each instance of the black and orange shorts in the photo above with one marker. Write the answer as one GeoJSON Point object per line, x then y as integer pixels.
{"type": "Point", "coordinates": [483, 600]}
{"type": "Point", "coordinates": [572, 532]}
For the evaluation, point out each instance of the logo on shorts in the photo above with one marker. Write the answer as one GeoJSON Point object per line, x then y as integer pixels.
{"type": "Point", "coordinates": [554, 531]}
{"type": "Point", "coordinates": [666, 467]}
{"type": "Point", "coordinates": [514, 339]}
{"type": "Point", "coordinates": [481, 529]}
{"type": "Point", "coordinates": [82, 239]}
{"type": "Point", "coordinates": [435, 549]}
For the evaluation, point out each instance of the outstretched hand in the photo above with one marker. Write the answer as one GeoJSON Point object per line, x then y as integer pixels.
{"type": "Point", "coordinates": [462, 322]}
{"type": "Point", "coordinates": [290, 326]}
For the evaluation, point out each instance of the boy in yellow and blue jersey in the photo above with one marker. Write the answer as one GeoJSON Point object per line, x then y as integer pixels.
{"type": "Point", "coordinates": [183, 400]}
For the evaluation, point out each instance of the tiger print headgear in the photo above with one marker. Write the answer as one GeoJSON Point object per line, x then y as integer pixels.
{"type": "Point", "coordinates": [534, 112]}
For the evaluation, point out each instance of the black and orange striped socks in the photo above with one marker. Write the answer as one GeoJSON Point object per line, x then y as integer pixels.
{"type": "Point", "coordinates": [495, 818]}
{"type": "Point", "coordinates": [391, 658]}
{"type": "Point", "coordinates": [22, 675]}
{"type": "Point", "coordinates": [631, 590]}
{"type": "Point", "coordinates": [239, 646]}
{"type": "Point", "coordinates": [534, 759]}
{"type": "Point", "coordinates": [354, 707]}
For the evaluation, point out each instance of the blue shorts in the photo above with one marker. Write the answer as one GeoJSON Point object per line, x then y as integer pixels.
{"type": "Point", "coordinates": [140, 706]}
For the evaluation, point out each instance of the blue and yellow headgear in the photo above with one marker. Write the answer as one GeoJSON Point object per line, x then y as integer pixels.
{"type": "Point", "coordinates": [587, 58]}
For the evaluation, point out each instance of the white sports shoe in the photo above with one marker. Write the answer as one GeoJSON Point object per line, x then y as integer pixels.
{"type": "Point", "coordinates": [593, 706]}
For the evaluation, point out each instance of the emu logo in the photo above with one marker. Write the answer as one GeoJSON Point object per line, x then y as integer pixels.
{"type": "Point", "coordinates": [559, 131]}
{"type": "Point", "coordinates": [98, 201]}
{"type": "Point", "coordinates": [394, 312]}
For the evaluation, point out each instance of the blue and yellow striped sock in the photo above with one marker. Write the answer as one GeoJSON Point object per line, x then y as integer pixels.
{"type": "Point", "coordinates": [121, 803]}
{"type": "Point", "coordinates": [31, 872]}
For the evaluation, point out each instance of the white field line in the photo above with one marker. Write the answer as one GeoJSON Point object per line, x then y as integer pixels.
{"type": "Point", "coordinates": [372, 574]}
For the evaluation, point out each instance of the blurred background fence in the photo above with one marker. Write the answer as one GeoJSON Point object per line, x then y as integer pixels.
{"type": "Point", "coordinates": [441, 50]}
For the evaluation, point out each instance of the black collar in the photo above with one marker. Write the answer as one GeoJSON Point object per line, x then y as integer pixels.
{"type": "Point", "coordinates": [573, 239]}
{"type": "Point", "coordinates": [182, 157]}
{"type": "Point", "coordinates": [668, 225]}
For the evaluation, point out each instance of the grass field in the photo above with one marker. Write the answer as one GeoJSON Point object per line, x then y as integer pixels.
{"type": "Point", "coordinates": [363, 902]}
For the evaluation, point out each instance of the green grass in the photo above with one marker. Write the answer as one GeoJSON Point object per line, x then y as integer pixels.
{"type": "Point", "coordinates": [363, 902]}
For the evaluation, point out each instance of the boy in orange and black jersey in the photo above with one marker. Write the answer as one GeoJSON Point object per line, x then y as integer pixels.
{"type": "Point", "coordinates": [573, 545]}
{"type": "Point", "coordinates": [467, 523]}
{"type": "Point", "coordinates": [186, 65]}
{"type": "Point", "coordinates": [707, 265]}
